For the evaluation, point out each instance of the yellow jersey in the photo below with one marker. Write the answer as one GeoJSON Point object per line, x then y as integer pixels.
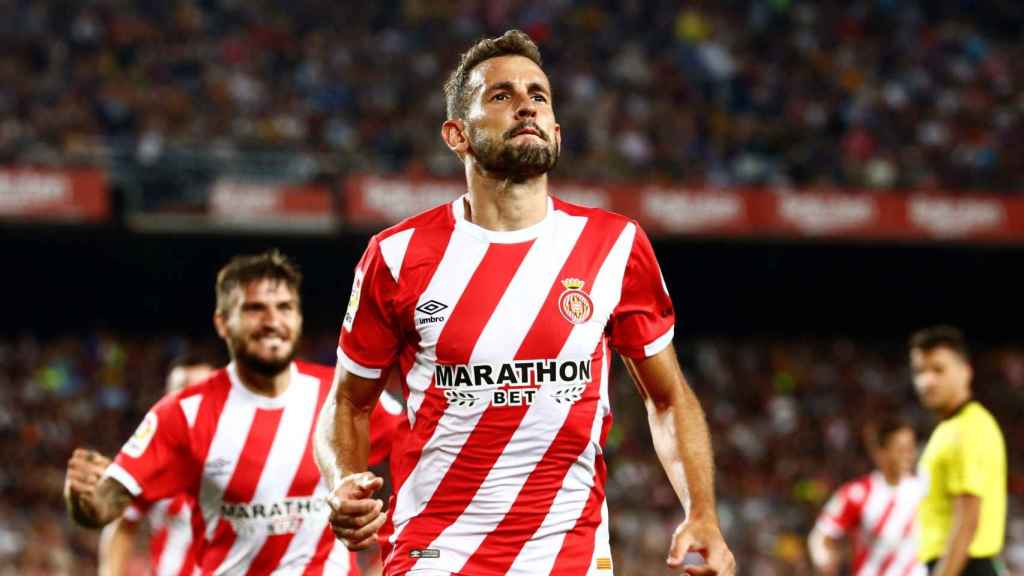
{"type": "Point", "coordinates": [966, 454]}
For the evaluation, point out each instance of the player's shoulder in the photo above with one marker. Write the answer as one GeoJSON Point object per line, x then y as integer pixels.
{"type": "Point", "coordinates": [857, 489]}
{"type": "Point", "coordinates": [321, 372]}
{"type": "Point", "coordinates": [217, 381]}
{"type": "Point", "coordinates": [598, 215]}
{"type": "Point", "coordinates": [437, 218]}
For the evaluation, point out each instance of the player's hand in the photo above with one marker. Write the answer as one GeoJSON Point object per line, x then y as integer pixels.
{"type": "Point", "coordinates": [355, 517]}
{"type": "Point", "coordinates": [85, 469]}
{"type": "Point", "coordinates": [705, 538]}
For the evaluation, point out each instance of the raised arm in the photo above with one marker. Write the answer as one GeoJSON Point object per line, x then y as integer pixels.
{"type": "Point", "coordinates": [92, 499]}
{"type": "Point", "coordinates": [683, 445]}
{"type": "Point", "coordinates": [342, 450]}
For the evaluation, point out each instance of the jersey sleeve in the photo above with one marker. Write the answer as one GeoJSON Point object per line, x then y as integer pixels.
{"type": "Point", "coordinates": [370, 335]}
{"type": "Point", "coordinates": [842, 512]}
{"type": "Point", "coordinates": [156, 462]}
{"type": "Point", "coordinates": [643, 322]}
{"type": "Point", "coordinates": [384, 421]}
{"type": "Point", "coordinates": [968, 465]}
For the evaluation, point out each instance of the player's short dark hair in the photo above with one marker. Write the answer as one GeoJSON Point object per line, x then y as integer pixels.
{"type": "Point", "coordinates": [511, 43]}
{"type": "Point", "coordinates": [241, 270]}
{"type": "Point", "coordinates": [881, 429]}
{"type": "Point", "coordinates": [942, 336]}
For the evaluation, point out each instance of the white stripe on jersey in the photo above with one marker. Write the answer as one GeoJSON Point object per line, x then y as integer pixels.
{"type": "Point", "coordinates": [228, 442]}
{"type": "Point", "coordinates": [179, 536]}
{"type": "Point", "coordinates": [461, 258]}
{"type": "Point", "coordinates": [536, 557]}
{"type": "Point", "coordinates": [190, 406]}
{"type": "Point", "coordinates": [281, 467]}
{"type": "Point", "coordinates": [393, 250]}
{"type": "Point", "coordinates": [891, 539]}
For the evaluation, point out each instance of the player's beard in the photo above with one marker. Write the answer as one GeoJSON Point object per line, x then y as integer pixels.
{"type": "Point", "coordinates": [253, 362]}
{"type": "Point", "coordinates": [518, 162]}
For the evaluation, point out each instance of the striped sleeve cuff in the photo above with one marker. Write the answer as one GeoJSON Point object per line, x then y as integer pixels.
{"type": "Point", "coordinates": [660, 343]}
{"type": "Point", "coordinates": [354, 367]}
{"type": "Point", "coordinates": [124, 478]}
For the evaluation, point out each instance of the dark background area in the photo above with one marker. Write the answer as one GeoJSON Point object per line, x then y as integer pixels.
{"type": "Point", "coordinates": [112, 279]}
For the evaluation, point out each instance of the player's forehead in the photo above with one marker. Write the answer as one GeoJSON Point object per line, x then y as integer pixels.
{"type": "Point", "coordinates": [512, 69]}
{"type": "Point", "coordinates": [936, 355]}
{"type": "Point", "coordinates": [264, 290]}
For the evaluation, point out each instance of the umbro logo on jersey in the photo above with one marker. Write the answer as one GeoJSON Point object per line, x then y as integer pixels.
{"type": "Point", "coordinates": [424, 553]}
{"type": "Point", "coordinates": [431, 309]}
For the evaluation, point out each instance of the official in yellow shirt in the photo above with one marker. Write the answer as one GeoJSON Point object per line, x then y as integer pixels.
{"type": "Point", "coordinates": [962, 518]}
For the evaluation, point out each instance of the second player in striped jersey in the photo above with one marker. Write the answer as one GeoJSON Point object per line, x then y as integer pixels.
{"type": "Point", "coordinates": [876, 512]}
{"type": "Point", "coordinates": [500, 310]}
{"type": "Point", "coordinates": [239, 443]}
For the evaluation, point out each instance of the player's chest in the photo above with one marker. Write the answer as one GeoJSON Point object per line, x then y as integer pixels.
{"type": "Point", "coordinates": [504, 323]}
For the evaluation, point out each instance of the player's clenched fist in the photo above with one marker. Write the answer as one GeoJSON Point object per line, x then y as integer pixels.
{"type": "Point", "coordinates": [85, 469]}
{"type": "Point", "coordinates": [705, 538]}
{"type": "Point", "coordinates": [355, 516]}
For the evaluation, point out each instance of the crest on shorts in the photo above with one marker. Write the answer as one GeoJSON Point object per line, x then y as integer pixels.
{"type": "Point", "coordinates": [575, 304]}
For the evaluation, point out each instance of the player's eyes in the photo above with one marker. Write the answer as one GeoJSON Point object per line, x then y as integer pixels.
{"type": "Point", "coordinates": [539, 98]}
{"type": "Point", "coordinates": [501, 96]}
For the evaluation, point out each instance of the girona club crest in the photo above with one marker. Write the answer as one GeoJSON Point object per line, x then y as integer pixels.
{"type": "Point", "coordinates": [575, 304]}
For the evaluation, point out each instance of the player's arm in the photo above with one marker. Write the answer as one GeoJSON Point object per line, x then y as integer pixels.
{"type": "Point", "coordinates": [683, 444]}
{"type": "Point", "coordinates": [342, 451]}
{"type": "Point", "coordinates": [117, 544]}
{"type": "Point", "coordinates": [92, 499]}
{"type": "Point", "coordinates": [825, 552]}
{"type": "Point", "coordinates": [966, 513]}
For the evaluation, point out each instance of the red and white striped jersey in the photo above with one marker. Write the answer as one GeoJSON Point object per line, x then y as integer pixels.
{"type": "Point", "coordinates": [879, 519]}
{"type": "Point", "coordinates": [248, 461]}
{"type": "Point", "coordinates": [502, 341]}
{"type": "Point", "coordinates": [170, 541]}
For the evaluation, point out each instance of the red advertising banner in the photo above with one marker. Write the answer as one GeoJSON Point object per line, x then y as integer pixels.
{"type": "Point", "coordinates": [372, 202]}
{"type": "Point", "coordinates": [249, 205]}
{"type": "Point", "coordinates": [75, 195]}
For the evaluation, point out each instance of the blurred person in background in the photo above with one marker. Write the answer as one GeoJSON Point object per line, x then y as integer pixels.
{"type": "Point", "coordinates": [875, 512]}
{"type": "Point", "coordinates": [500, 308]}
{"type": "Point", "coordinates": [239, 442]}
{"type": "Point", "coordinates": [963, 514]}
{"type": "Point", "coordinates": [170, 519]}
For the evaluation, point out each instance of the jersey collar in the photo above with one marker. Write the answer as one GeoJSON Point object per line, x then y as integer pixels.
{"type": "Point", "coordinates": [500, 236]}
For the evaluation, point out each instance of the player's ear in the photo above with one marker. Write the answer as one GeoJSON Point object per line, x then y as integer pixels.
{"type": "Point", "coordinates": [453, 132]}
{"type": "Point", "coordinates": [220, 323]}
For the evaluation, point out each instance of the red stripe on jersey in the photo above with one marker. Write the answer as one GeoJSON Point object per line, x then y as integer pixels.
{"type": "Point", "coordinates": [578, 546]}
{"type": "Point", "coordinates": [500, 548]}
{"type": "Point", "coordinates": [860, 546]}
{"type": "Point", "coordinates": [426, 245]}
{"type": "Point", "coordinates": [465, 324]}
{"type": "Point", "coordinates": [496, 426]}
{"type": "Point", "coordinates": [245, 478]}
{"type": "Point", "coordinates": [303, 484]}
{"type": "Point", "coordinates": [905, 533]}
{"type": "Point", "coordinates": [156, 546]}
{"type": "Point", "coordinates": [323, 550]}
{"type": "Point", "coordinates": [215, 395]}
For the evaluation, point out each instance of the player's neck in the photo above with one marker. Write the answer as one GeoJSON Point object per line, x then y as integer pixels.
{"type": "Point", "coordinates": [891, 478]}
{"type": "Point", "coordinates": [270, 386]}
{"type": "Point", "coordinates": [501, 204]}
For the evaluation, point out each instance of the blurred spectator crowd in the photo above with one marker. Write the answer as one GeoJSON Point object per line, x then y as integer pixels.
{"type": "Point", "coordinates": [785, 416]}
{"type": "Point", "coordinates": [865, 94]}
